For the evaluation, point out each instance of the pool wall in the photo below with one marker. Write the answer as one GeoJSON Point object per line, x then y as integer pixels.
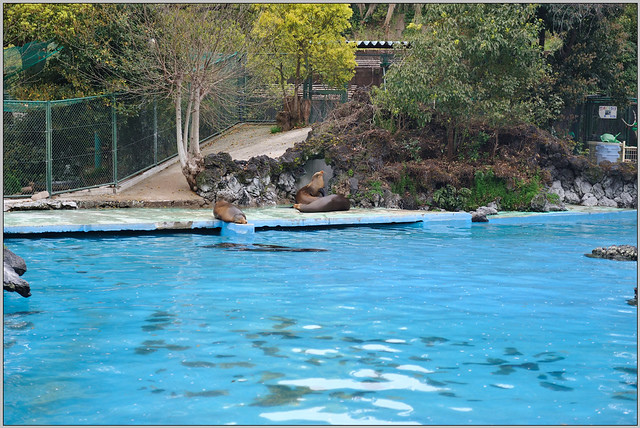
{"type": "Point", "coordinates": [22, 223]}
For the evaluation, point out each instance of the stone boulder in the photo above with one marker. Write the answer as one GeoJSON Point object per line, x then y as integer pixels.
{"type": "Point", "coordinates": [14, 267]}
{"type": "Point", "coordinates": [615, 252]}
{"type": "Point", "coordinates": [480, 215]}
{"type": "Point", "coordinates": [547, 201]}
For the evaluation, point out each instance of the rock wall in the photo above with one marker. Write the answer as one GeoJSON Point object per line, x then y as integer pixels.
{"type": "Point", "coordinates": [578, 181]}
{"type": "Point", "coordinates": [262, 181]}
{"type": "Point", "coordinates": [258, 182]}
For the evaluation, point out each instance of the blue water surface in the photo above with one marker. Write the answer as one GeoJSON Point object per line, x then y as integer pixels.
{"type": "Point", "coordinates": [486, 325]}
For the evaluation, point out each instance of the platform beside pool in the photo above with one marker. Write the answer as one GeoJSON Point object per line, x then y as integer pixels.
{"type": "Point", "coordinates": [18, 223]}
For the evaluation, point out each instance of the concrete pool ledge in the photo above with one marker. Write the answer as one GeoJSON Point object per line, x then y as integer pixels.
{"type": "Point", "coordinates": [17, 223]}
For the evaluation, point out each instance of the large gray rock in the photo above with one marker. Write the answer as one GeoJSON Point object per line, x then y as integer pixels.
{"type": "Point", "coordinates": [14, 261]}
{"type": "Point", "coordinates": [606, 202]}
{"type": "Point", "coordinates": [624, 199]}
{"type": "Point", "coordinates": [546, 202]}
{"type": "Point", "coordinates": [588, 200]}
{"type": "Point", "coordinates": [597, 191]}
{"type": "Point", "coordinates": [582, 186]}
{"type": "Point", "coordinates": [556, 188]}
{"type": "Point", "coordinates": [12, 282]}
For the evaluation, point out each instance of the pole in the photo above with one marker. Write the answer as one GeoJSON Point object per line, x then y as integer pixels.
{"type": "Point", "coordinates": [114, 143]}
{"type": "Point", "coordinates": [49, 160]}
{"type": "Point", "coordinates": [97, 158]}
{"type": "Point", "coordinates": [155, 132]}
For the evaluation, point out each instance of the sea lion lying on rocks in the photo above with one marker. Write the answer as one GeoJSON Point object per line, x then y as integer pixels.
{"type": "Point", "coordinates": [228, 212]}
{"type": "Point", "coordinates": [325, 204]}
{"type": "Point", "coordinates": [311, 191]}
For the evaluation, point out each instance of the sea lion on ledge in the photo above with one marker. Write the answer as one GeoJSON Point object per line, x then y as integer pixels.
{"type": "Point", "coordinates": [228, 212]}
{"type": "Point", "coordinates": [311, 191]}
{"type": "Point", "coordinates": [324, 204]}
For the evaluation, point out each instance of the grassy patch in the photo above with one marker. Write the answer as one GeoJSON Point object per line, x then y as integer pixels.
{"type": "Point", "coordinates": [515, 196]}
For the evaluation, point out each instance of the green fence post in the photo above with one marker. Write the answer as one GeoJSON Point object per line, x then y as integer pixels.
{"type": "Point", "coordinates": [155, 132]}
{"type": "Point", "coordinates": [114, 141]}
{"type": "Point", "coordinates": [97, 158]}
{"type": "Point", "coordinates": [49, 161]}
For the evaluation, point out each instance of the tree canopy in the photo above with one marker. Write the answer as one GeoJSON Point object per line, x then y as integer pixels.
{"type": "Point", "coordinates": [303, 40]}
{"type": "Point", "coordinates": [469, 63]}
{"type": "Point", "coordinates": [597, 52]}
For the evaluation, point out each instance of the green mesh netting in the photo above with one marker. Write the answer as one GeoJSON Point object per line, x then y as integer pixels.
{"type": "Point", "coordinates": [20, 58]}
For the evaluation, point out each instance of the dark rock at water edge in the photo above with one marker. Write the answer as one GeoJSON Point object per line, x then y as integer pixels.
{"type": "Point", "coordinates": [480, 215]}
{"type": "Point", "coordinates": [14, 267]}
{"type": "Point", "coordinates": [615, 252]}
{"type": "Point", "coordinates": [14, 261]}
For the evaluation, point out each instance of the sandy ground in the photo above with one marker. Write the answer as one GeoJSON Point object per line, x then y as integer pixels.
{"type": "Point", "coordinates": [241, 142]}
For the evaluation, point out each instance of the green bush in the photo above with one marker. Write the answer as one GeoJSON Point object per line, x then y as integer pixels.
{"type": "Point", "coordinates": [375, 188]}
{"type": "Point", "coordinates": [517, 197]}
{"type": "Point", "coordinates": [450, 198]}
{"type": "Point", "coordinates": [276, 129]}
{"type": "Point", "coordinates": [405, 184]}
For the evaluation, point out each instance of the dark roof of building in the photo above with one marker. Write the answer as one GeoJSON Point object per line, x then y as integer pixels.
{"type": "Point", "coordinates": [378, 44]}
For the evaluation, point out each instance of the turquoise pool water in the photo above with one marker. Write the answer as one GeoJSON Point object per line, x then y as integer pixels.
{"type": "Point", "coordinates": [480, 325]}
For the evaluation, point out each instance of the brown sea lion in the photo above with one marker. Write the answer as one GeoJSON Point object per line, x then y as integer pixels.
{"type": "Point", "coordinates": [324, 204]}
{"type": "Point", "coordinates": [228, 212]}
{"type": "Point", "coordinates": [311, 191]}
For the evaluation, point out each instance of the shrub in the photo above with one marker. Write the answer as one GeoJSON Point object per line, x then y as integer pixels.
{"type": "Point", "coordinates": [515, 196]}
{"type": "Point", "coordinates": [276, 129]}
{"type": "Point", "coordinates": [450, 198]}
{"type": "Point", "coordinates": [405, 184]}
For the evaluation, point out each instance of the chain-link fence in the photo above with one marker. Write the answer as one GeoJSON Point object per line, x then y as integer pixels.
{"type": "Point", "coordinates": [68, 145]}
{"type": "Point", "coordinates": [60, 146]}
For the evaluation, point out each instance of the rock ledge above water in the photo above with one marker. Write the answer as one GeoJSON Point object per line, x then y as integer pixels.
{"type": "Point", "coordinates": [615, 252]}
{"type": "Point", "coordinates": [14, 267]}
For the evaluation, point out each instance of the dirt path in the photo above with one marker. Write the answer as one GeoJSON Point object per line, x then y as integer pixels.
{"type": "Point", "coordinates": [242, 143]}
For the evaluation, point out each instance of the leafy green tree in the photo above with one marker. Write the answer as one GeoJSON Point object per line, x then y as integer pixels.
{"type": "Point", "coordinates": [302, 41]}
{"type": "Point", "coordinates": [468, 63]}
{"type": "Point", "coordinates": [598, 50]}
{"type": "Point", "coordinates": [95, 47]}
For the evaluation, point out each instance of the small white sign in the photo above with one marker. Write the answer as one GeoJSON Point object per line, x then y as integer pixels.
{"type": "Point", "coordinates": [608, 112]}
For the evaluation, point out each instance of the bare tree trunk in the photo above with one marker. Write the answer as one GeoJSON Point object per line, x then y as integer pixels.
{"type": "Point", "coordinates": [295, 108]}
{"type": "Point", "coordinates": [187, 121]}
{"type": "Point", "coordinates": [387, 20]}
{"type": "Point", "coordinates": [182, 153]}
{"type": "Point", "coordinates": [450, 142]}
{"type": "Point", "coordinates": [418, 13]}
{"type": "Point", "coordinates": [195, 162]}
{"type": "Point", "coordinates": [361, 8]}
{"type": "Point", "coordinates": [370, 10]}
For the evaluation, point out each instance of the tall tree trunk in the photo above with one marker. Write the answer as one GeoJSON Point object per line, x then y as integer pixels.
{"type": "Point", "coordinates": [387, 20]}
{"type": "Point", "coordinates": [187, 122]}
{"type": "Point", "coordinates": [195, 162]}
{"type": "Point", "coordinates": [451, 142]}
{"type": "Point", "coordinates": [370, 10]}
{"type": "Point", "coordinates": [295, 108]}
{"type": "Point", "coordinates": [418, 13]}
{"type": "Point", "coordinates": [182, 153]}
